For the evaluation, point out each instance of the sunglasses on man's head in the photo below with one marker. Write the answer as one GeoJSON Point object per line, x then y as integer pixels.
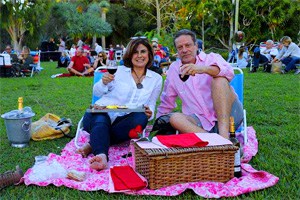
{"type": "Point", "coordinates": [138, 37]}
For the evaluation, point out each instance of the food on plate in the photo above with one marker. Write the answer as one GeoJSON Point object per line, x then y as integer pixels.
{"type": "Point", "coordinates": [97, 107]}
{"type": "Point", "coordinates": [76, 175]}
{"type": "Point", "coordinates": [112, 106]}
{"type": "Point", "coordinates": [122, 107]}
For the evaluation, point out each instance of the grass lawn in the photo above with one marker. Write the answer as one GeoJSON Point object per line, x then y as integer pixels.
{"type": "Point", "coordinates": [272, 102]}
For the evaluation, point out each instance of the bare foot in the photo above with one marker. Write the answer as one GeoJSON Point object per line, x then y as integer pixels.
{"type": "Point", "coordinates": [85, 150]}
{"type": "Point", "coordinates": [98, 162]}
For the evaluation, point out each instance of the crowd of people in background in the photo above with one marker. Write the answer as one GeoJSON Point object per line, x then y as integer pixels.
{"type": "Point", "coordinates": [285, 51]}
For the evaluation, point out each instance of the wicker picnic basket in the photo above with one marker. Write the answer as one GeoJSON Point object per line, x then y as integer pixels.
{"type": "Point", "coordinates": [169, 166]}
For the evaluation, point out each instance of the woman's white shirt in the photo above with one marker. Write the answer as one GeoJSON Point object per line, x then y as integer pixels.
{"type": "Point", "coordinates": [123, 91]}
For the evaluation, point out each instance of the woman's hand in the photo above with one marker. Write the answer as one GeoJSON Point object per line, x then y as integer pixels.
{"type": "Point", "coordinates": [107, 78]}
{"type": "Point", "coordinates": [148, 112]}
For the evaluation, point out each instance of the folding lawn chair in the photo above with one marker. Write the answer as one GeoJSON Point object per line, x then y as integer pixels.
{"type": "Point", "coordinates": [36, 66]}
{"type": "Point", "coordinates": [97, 76]}
{"type": "Point", "coordinates": [238, 84]}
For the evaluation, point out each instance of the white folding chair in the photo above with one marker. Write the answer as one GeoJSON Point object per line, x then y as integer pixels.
{"type": "Point", "coordinates": [118, 55]}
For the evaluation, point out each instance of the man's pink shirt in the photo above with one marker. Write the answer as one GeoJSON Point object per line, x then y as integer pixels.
{"type": "Point", "coordinates": [195, 93]}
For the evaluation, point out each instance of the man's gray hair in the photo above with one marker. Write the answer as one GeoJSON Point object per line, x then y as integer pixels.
{"type": "Point", "coordinates": [185, 32]}
{"type": "Point", "coordinates": [270, 41]}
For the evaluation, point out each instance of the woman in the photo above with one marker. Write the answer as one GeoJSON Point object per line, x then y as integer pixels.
{"type": "Point", "coordinates": [289, 55]}
{"type": "Point", "coordinates": [25, 58]}
{"type": "Point", "coordinates": [100, 60]}
{"type": "Point", "coordinates": [132, 85]}
{"type": "Point", "coordinates": [64, 60]}
{"type": "Point", "coordinates": [242, 58]}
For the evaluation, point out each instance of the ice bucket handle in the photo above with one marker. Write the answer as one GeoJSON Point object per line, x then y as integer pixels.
{"type": "Point", "coordinates": [26, 126]}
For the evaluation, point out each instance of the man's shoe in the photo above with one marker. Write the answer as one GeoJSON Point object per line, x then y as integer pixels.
{"type": "Point", "coordinates": [10, 177]}
{"type": "Point", "coordinates": [283, 72]}
{"type": "Point", "coordinates": [297, 71]}
{"type": "Point", "coordinates": [254, 69]}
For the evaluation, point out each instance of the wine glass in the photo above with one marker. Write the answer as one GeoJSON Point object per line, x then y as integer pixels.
{"type": "Point", "coordinates": [185, 77]}
{"type": "Point", "coordinates": [112, 67]}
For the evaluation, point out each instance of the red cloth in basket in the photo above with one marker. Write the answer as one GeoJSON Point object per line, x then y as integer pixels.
{"type": "Point", "coordinates": [182, 140]}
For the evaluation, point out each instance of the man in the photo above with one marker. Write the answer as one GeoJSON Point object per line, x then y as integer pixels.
{"type": "Point", "coordinates": [80, 65]}
{"type": "Point", "coordinates": [62, 45]}
{"type": "Point", "coordinates": [13, 57]}
{"type": "Point", "coordinates": [98, 48]}
{"type": "Point", "coordinates": [264, 55]}
{"type": "Point", "coordinates": [207, 98]}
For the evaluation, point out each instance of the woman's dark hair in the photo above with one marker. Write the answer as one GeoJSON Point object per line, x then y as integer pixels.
{"type": "Point", "coordinates": [185, 32]}
{"type": "Point", "coordinates": [131, 49]}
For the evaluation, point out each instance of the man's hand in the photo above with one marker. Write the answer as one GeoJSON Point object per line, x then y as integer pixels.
{"type": "Point", "coordinates": [192, 69]}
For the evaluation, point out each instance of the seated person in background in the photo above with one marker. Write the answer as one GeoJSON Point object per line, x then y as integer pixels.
{"type": "Point", "coordinates": [80, 65]}
{"type": "Point", "coordinates": [64, 60]}
{"type": "Point", "coordinates": [132, 85]}
{"type": "Point", "coordinates": [289, 55]}
{"type": "Point", "coordinates": [207, 98]}
{"type": "Point", "coordinates": [72, 50]}
{"type": "Point", "coordinates": [157, 60]}
{"type": "Point", "coordinates": [200, 45]}
{"type": "Point", "coordinates": [242, 58]}
{"type": "Point", "coordinates": [111, 52]}
{"type": "Point", "coordinates": [25, 59]}
{"type": "Point", "coordinates": [13, 57]}
{"type": "Point", "coordinates": [264, 55]}
{"type": "Point", "coordinates": [100, 60]}
{"type": "Point", "coordinates": [87, 54]}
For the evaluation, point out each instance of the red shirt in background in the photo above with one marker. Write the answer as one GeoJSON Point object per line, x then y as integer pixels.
{"type": "Point", "coordinates": [78, 63]}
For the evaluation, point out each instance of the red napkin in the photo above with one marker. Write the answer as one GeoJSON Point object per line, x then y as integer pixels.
{"type": "Point", "coordinates": [182, 140]}
{"type": "Point", "coordinates": [124, 178]}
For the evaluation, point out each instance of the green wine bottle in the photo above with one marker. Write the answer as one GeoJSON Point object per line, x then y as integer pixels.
{"type": "Point", "coordinates": [235, 142]}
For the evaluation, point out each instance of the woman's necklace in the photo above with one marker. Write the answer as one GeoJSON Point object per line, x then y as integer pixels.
{"type": "Point", "coordinates": [139, 85]}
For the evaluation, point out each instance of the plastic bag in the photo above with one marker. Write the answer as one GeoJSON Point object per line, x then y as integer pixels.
{"type": "Point", "coordinates": [276, 67]}
{"type": "Point", "coordinates": [50, 127]}
{"type": "Point", "coordinates": [44, 171]}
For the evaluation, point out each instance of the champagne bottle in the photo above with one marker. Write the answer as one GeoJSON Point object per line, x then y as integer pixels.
{"type": "Point", "coordinates": [20, 104]}
{"type": "Point", "coordinates": [235, 142]}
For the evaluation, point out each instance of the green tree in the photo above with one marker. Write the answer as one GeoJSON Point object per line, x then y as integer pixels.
{"type": "Point", "coordinates": [70, 19]}
{"type": "Point", "coordinates": [269, 19]}
{"type": "Point", "coordinates": [22, 18]}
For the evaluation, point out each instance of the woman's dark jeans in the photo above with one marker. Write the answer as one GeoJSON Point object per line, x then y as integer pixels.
{"type": "Point", "coordinates": [103, 133]}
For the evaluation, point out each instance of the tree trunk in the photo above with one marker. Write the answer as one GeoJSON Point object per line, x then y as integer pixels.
{"type": "Point", "coordinates": [103, 16]}
{"type": "Point", "coordinates": [94, 41]}
{"type": "Point", "coordinates": [202, 31]}
{"type": "Point", "coordinates": [231, 29]}
{"type": "Point", "coordinates": [158, 20]}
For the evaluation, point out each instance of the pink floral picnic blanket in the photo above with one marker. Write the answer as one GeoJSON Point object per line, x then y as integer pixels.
{"type": "Point", "coordinates": [53, 171]}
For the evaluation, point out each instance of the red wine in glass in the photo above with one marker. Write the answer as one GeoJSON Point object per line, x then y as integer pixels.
{"type": "Point", "coordinates": [112, 70]}
{"type": "Point", "coordinates": [184, 78]}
